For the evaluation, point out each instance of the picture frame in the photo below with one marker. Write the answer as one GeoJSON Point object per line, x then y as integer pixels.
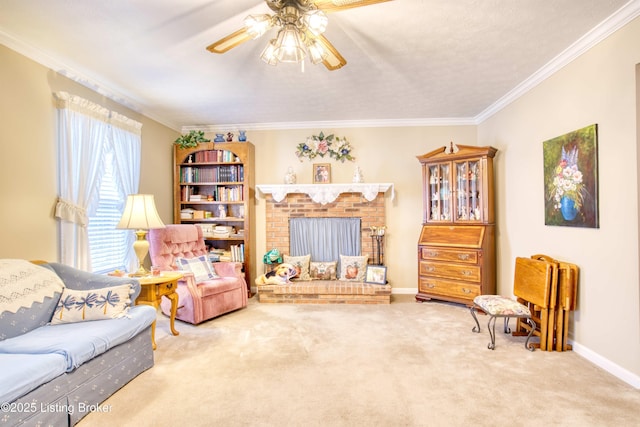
{"type": "Point", "coordinates": [571, 179]}
{"type": "Point", "coordinates": [376, 274]}
{"type": "Point", "coordinates": [321, 173]}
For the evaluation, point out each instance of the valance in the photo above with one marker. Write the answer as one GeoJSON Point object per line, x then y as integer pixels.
{"type": "Point", "coordinates": [80, 105]}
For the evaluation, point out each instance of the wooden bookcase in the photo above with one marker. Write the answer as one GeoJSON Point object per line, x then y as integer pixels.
{"type": "Point", "coordinates": [456, 248]}
{"type": "Point", "coordinates": [215, 182]}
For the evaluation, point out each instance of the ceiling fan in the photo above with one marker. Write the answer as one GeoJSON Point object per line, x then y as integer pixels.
{"type": "Point", "coordinates": [301, 24]}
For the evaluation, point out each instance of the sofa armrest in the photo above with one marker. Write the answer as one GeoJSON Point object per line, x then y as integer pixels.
{"type": "Point", "coordinates": [82, 280]}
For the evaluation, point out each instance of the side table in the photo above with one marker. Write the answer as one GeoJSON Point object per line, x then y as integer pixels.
{"type": "Point", "coordinates": [152, 289]}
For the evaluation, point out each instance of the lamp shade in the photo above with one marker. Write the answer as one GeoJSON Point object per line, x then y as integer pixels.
{"type": "Point", "coordinates": [257, 25]}
{"type": "Point", "coordinates": [140, 213]}
{"type": "Point", "coordinates": [289, 46]}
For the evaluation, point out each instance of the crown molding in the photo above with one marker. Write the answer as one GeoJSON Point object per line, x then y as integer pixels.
{"type": "Point", "coordinates": [613, 23]}
{"type": "Point", "coordinates": [464, 121]}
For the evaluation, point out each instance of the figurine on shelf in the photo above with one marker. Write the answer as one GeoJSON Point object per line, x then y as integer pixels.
{"type": "Point", "coordinates": [219, 137]}
{"type": "Point", "coordinates": [290, 176]}
{"type": "Point", "coordinates": [222, 212]}
{"type": "Point", "coordinates": [434, 213]}
{"type": "Point", "coordinates": [463, 212]}
{"type": "Point", "coordinates": [243, 136]}
{"type": "Point", "coordinates": [229, 137]}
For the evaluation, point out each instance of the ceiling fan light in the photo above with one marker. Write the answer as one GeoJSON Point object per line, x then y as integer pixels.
{"type": "Point", "coordinates": [316, 21]}
{"type": "Point", "coordinates": [268, 54]}
{"type": "Point", "coordinates": [257, 25]}
{"type": "Point", "coordinates": [317, 53]}
{"type": "Point", "coordinates": [289, 46]}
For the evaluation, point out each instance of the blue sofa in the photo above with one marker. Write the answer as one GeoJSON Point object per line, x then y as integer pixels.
{"type": "Point", "coordinates": [56, 373]}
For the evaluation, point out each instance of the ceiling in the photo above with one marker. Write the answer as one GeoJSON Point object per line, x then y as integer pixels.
{"type": "Point", "coordinates": [408, 61]}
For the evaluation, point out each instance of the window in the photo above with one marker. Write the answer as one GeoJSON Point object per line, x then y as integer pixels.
{"type": "Point", "coordinates": [108, 245]}
{"type": "Point", "coordinates": [98, 166]}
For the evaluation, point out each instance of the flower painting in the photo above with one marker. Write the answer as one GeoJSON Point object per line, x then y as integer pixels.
{"type": "Point", "coordinates": [571, 179]}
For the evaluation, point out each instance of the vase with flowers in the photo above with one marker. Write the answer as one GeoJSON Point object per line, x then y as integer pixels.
{"type": "Point", "coordinates": [566, 188]}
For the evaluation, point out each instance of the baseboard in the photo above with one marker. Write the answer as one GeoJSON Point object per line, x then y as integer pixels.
{"type": "Point", "coordinates": [606, 364]}
{"type": "Point", "coordinates": [403, 291]}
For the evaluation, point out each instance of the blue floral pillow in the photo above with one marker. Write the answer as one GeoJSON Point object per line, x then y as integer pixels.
{"type": "Point", "coordinates": [200, 267]}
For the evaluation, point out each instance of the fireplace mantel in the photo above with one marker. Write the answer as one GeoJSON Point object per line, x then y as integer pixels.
{"type": "Point", "coordinates": [325, 193]}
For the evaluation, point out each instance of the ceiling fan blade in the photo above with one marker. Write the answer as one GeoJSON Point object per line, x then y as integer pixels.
{"type": "Point", "coordinates": [338, 5]}
{"type": "Point", "coordinates": [230, 41]}
{"type": "Point", "coordinates": [333, 60]}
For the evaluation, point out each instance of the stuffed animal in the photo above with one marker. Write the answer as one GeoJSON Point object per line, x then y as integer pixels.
{"type": "Point", "coordinates": [278, 276]}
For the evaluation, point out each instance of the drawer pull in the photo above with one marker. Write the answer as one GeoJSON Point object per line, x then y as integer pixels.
{"type": "Point", "coordinates": [430, 269]}
{"type": "Point", "coordinates": [432, 253]}
{"type": "Point", "coordinates": [430, 285]}
{"type": "Point", "coordinates": [466, 273]}
{"type": "Point", "coordinates": [466, 291]}
{"type": "Point", "coordinates": [463, 257]}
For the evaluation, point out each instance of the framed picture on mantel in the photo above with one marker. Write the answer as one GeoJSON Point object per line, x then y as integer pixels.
{"type": "Point", "coordinates": [321, 173]}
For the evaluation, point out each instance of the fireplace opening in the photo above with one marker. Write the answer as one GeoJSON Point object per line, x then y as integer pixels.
{"type": "Point", "coordinates": [325, 238]}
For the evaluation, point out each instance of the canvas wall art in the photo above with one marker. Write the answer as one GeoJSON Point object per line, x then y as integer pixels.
{"type": "Point", "coordinates": [571, 179]}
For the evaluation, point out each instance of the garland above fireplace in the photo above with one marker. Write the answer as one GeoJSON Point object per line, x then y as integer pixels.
{"type": "Point", "coordinates": [325, 193]}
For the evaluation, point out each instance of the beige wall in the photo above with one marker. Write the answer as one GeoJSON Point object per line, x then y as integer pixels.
{"type": "Point", "coordinates": [28, 176]}
{"type": "Point", "coordinates": [598, 87]}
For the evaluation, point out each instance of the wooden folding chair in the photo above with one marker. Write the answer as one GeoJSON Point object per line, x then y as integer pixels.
{"type": "Point", "coordinates": [567, 295]}
{"type": "Point", "coordinates": [532, 287]}
{"type": "Point", "coordinates": [545, 316]}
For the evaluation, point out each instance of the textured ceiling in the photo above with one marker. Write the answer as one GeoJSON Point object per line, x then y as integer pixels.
{"type": "Point", "coordinates": [407, 60]}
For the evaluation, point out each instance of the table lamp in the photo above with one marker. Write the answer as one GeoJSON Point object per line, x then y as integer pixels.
{"type": "Point", "coordinates": [140, 214]}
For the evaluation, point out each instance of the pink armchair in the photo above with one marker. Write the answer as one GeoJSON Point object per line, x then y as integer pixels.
{"type": "Point", "coordinates": [197, 301]}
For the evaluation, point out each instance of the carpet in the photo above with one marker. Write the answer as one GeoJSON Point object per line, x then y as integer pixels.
{"type": "Point", "coordinates": [402, 364]}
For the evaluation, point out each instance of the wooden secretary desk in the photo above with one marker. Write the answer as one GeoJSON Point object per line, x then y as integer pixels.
{"type": "Point", "coordinates": [456, 249]}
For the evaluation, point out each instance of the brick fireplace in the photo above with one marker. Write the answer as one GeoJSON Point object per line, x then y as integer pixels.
{"type": "Point", "coordinates": [371, 213]}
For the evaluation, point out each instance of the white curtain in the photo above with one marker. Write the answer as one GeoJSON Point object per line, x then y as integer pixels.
{"type": "Point", "coordinates": [126, 144]}
{"type": "Point", "coordinates": [82, 131]}
{"type": "Point", "coordinates": [85, 132]}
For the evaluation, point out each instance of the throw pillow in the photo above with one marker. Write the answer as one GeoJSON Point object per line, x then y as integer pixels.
{"type": "Point", "coordinates": [93, 304]}
{"type": "Point", "coordinates": [301, 264]}
{"type": "Point", "coordinates": [353, 267]}
{"type": "Point", "coordinates": [200, 267]}
{"type": "Point", "coordinates": [323, 270]}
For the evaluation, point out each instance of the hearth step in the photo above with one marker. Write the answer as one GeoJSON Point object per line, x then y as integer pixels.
{"type": "Point", "coordinates": [325, 292]}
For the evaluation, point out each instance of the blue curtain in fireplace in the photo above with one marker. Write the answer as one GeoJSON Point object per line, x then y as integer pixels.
{"type": "Point", "coordinates": [324, 238]}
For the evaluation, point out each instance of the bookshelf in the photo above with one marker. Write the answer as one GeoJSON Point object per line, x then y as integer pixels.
{"type": "Point", "coordinates": [214, 188]}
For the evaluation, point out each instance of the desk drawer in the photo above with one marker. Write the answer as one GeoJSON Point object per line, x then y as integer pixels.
{"type": "Point", "coordinates": [470, 273]}
{"type": "Point", "coordinates": [165, 288]}
{"type": "Point", "coordinates": [451, 255]}
{"type": "Point", "coordinates": [431, 285]}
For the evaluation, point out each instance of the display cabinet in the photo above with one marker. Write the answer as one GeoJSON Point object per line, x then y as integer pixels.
{"type": "Point", "coordinates": [456, 248]}
{"type": "Point", "coordinates": [214, 187]}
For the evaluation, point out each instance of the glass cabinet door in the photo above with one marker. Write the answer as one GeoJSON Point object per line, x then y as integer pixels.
{"type": "Point", "coordinates": [439, 197]}
{"type": "Point", "coordinates": [468, 191]}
